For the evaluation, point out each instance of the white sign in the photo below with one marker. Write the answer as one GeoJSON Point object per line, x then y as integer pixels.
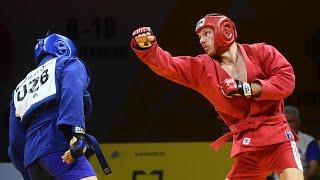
{"type": "Point", "coordinates": [36, 86]}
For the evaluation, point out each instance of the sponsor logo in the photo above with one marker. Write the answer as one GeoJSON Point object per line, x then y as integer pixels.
{"type": "Point", "coordinates": [246, 141]}
{"type": "Point", "coordinates": [289, 135]}
{"type": "Point", "coordinates": [79, 130]}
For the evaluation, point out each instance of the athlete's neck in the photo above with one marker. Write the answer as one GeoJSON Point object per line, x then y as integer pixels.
{"type": "Point", "coordinates": [231, 55]}
{"type": "Point", "coordinates": [46, 58]}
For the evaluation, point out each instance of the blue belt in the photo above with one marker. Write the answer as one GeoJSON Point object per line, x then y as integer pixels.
{"type": "Point", "coordinates": [96, 148]}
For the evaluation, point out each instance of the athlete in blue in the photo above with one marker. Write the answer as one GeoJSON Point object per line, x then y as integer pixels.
{"type": "Point", "coordinates": [48, 111]}
{"type": "Point", "coordinates": [307, 145]}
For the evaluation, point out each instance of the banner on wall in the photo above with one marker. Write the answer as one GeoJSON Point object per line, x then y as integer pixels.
{"type": "Point", "coordinates": [164, 161]}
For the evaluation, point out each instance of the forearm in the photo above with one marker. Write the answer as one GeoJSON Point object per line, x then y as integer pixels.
{"type": "Point", "coordinates": [184, 70]}
{"type": "Point", "coordinates": [256, 89]}
{"type": "Point", "coordinates": [74, 83]}
{"type": "Point", "coordinates": [274, 88]}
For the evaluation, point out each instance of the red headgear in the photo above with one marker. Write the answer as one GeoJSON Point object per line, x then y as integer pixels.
{"type": "Point", "coordinates": [225, 32]}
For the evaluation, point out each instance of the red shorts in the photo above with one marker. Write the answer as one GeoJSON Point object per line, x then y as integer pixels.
{"type": "Point", "coordinates": [257, 165]}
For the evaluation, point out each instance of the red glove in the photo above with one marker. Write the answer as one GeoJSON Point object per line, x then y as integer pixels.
{"type": "Point", "coordinates": [232, 87]}
{"type": "Point", "coordinates": [141, 30]}
{"type": "Point", "coordinates": [144, 37]}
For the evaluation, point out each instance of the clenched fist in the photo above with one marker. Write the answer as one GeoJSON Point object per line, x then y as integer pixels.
{"type": "Point", "coordinates": [78, 148]}
{"type": "Point", "coordinates": [232, 87]}
{"type": "Point", "coordinates": [143, 37]}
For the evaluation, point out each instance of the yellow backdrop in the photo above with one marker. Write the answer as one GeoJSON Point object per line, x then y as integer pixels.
{"type": "Point", "coordinates": [164, 161]}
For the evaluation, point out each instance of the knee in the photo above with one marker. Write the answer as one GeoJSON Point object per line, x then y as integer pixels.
{"type": "Point", "coordinates": [291, 174]}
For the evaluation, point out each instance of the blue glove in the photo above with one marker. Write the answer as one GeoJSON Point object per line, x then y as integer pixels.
{"type": "Point", "coordinates": [79, 147]}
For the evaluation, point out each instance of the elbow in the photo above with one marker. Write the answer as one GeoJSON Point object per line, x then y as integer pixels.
{"type": "Point", "coordinates": [286, 92]}
{"type": "Point", "coordinates": [290, 87]}
{"type": "Point", "coordinates": [17, 141]}
{"type": "Point", "coordinates": [287, 85]}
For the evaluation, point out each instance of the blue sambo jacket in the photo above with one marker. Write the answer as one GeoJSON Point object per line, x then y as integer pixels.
{"type": "Point", "coordinates": [54, 94]}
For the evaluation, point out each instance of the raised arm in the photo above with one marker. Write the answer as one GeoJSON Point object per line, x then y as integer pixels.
{"type": "Point", "coordinates": [185, 70]}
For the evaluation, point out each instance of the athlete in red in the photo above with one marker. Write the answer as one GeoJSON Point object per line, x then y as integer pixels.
{"type": "Point", "coordinates": [246, 83]}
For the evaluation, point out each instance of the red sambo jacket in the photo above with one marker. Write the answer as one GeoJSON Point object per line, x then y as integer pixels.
{"type": "Point", "coordinates": [254, 122]}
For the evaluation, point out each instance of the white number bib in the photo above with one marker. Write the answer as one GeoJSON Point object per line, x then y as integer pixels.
{"type": "Point", "coordinates": [37, 85]}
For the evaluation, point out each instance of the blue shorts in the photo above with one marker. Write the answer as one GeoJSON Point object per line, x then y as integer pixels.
{"type": "Point", "coordinates": [51, 167]}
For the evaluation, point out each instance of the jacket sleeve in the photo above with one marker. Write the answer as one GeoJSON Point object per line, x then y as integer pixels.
{"type": "Point", "coordinates": [183, 70]}
{"type": "Point", "coordinates": [280, 79]}
{"type": "Point", "coordinates": [16, 143]}
{"type": "Point", "coordinates": [74, 83]}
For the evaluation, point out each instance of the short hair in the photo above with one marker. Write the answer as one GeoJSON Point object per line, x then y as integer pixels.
{"type": "Point", "coordinates": [292, 110]}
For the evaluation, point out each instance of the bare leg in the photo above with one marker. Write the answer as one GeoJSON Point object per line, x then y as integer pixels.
{"type": "Point", "coordinates": [90, 178]}
{"type": "Point", "coordinates": [291, 174]}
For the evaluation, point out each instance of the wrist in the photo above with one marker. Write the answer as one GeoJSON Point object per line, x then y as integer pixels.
{"type": "Point", "coordinates": [246, 89]}
{"type": "Point", "coordinates": [70, 131]}
{"type": "Point", "coordinates": [78, 130]}
{"type": "Point", "coordinates": [78, 146]}
{"type": "Point", "coordinates": [77, 133]}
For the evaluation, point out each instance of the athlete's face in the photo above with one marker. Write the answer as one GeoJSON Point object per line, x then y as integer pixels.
{"type": "Point", "coordinates": [293, 121]}
{"type": "Point", "coordinates": [206, 39]}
